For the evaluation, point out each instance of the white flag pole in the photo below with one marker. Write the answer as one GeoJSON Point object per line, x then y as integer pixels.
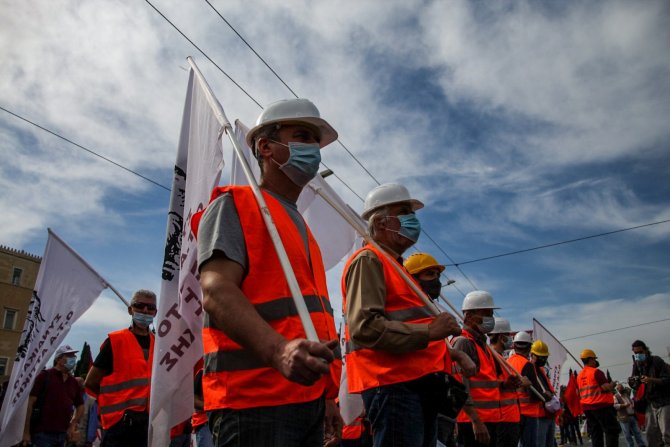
{"type": "Point", "coordinates": [296, 294]}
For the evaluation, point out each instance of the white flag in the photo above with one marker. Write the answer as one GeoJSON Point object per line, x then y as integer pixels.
{"type": "Point", "coordinates": [557, 353]}
{"type": "Point", "coordinates": [178, 343]}
{"type": "Point", "coordinates": [66, 287]}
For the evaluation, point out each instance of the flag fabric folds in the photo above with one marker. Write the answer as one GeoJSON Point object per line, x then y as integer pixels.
{"type": "Point", "coordinates": [179, 322]}
{"type": "Point", "coordinates": [66, 287]}
{"type": "Point", "coordinates": [557, 353]}
{"type": "Point", "coordinates": [571, 395]}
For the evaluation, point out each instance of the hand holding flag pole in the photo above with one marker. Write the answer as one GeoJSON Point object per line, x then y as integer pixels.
{"type": "Point", "coordinates": [296, 294]}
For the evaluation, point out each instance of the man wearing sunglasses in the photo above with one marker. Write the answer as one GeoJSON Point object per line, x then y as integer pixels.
{"type": "Point", "coordinates": [121, 376]}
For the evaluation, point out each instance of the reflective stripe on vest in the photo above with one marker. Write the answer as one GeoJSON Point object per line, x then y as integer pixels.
{"type": "Point", "coordinates": [484, 386]}
{"type": "Point", "coordinates": [527, 406]}
{"type": "Point", "coordinates": [590, 391]}
{"type": "Point", "coordinates": [234, 377]}
{"type": "Point", "coordinates": [128, 386]}
{"type": "Point", "coordinates": [509, 402]}
{"type": "Point", "coordinates": [370, 368]}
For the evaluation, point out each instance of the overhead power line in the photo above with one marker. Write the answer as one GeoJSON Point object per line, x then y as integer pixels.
{"type": "Point", "coordinates": [617, 329]}
{"type": "Point", "coordinates": [118, 165]}
{"type": "Point", "coordinates": [560, 243]}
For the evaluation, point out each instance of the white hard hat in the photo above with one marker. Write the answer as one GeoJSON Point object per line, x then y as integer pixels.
{"type": "Point", "coordinates": [478, 300]}
{"type": "Point", "coordinates": [502, 326]}
{"type": "Point", "coordinates": [298, 110]}
{"type": "Point", "coordinates": [387, 194]}
{"type": "Point", "coordinates": [522, 337]}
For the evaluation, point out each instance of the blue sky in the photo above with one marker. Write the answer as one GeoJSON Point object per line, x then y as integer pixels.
{"type": "Point", "coordinates": [518, 124]}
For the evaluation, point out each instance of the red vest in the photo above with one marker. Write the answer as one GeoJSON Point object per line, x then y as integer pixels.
{"type": "Point", "coordinates": [509, 401]}
{"type": "Point", "coordinates": [590, 392]}
{"type": "Point", "coordinates": [128, 386]}
{"type": "Point", "coordinates": [234, 377]}
{"type": "Point", "coordinates": [369, 368]}
{"type": "Point", "coordinates": [484, 386]}
{"type": "Point", "coordinates": [528, 406]}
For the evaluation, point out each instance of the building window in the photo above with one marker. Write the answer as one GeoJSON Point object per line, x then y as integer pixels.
{"type": "Point", "coordinates": [3, 366]}
{"type": "Point", "coordinates": [9, 322]}
{"type": "Point", "coordinates": [16, 276]}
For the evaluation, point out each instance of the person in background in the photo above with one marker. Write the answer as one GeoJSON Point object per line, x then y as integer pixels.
{"type": "Point", "coordinates": [652, 373]}
{"type": "Point", "coordinates": [595, 395]}
{"type": "Point", "coordinates": [626, 416]}
{"type": "Point", "coordinates": [60, 401]}
{"type": "Point", "coordinates": [121, 376]}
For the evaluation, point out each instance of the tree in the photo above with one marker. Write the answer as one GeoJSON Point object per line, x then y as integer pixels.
{"type": "Point", "coordinates": [84, 363]}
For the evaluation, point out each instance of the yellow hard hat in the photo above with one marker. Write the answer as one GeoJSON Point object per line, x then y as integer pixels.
{"type": "Point", "coordinates": [418, 262]}
{"type": "Point", "coordinates": [539, 348]}
{"type": "Point", "coordinates": [588, 353]}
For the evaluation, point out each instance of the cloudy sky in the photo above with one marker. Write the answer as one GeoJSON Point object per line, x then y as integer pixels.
{"type": "Point", "coordinates": [519, 124]}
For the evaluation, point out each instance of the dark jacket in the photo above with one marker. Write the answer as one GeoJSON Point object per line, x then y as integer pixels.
{"type": "Point", "coordinates": [657, 395]}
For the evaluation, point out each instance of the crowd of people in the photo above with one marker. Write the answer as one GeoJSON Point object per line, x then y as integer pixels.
{"type": "Point", "coordinates": [423, 377]}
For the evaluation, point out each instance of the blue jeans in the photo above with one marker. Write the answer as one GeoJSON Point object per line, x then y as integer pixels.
{"type": "Point", "coordinates": [528, 431]}
{"type": "Point", "coordinates": [545, 432]}
{"type": "Point", "coordinates": [203, 437]}
{"type": "Point", "coordinates": [402, 414]}
{"type": "Point", "coordinates": [630, 430]}
{"type": "Point", "coordinates": [292, 425]}
{"type": "Point", "coordinates": [44, 439]}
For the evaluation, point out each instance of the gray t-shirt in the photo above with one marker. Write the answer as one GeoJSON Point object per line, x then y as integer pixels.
{"type": "Point", "coordinates": [220, 230]}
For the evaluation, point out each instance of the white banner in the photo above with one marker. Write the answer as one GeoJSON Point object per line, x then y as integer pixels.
{"type": "Point", "coordinates": [66, 287]}
{"type": "Point", "coordinates": [557, 353]}
{"type": "Point", "coordinates": [179, 323]}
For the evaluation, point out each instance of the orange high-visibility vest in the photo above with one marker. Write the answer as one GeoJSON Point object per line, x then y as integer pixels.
{"type": "Point", "coordinates": [234, 377]}
{"type": "Point", "coordinates": [484, 386]}
{"type": "Point", "coordinates": [509, 401]}
{"type": "Point", "coordinates": [353, 431]}
{"type": "Point", "coordinates": [590, 392]}
{"type": "Point", "coordinates": [541, 371]}
{"type": "Point", "coordinates": [528, 406]}
{"type": "Point", "coordinates": [128, 386]}
{"type": "Point", "coordinates": [369, 368]}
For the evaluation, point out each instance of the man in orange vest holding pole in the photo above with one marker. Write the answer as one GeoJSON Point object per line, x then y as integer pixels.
{"type": "Point", "coordinates": [264, 383]}
{"type": "Point", "coordinates": [478, 421]}
{"type": "Point", "coordinates": [595, 395]}
{"type": "Point", "coordinates": [508, 430]}
{"type": "Point", "coordinates": [121, 377]}
{"type": "Point", "coordinates": [530, 405]}
{"type": "Point", "coordinates": [396, 353]}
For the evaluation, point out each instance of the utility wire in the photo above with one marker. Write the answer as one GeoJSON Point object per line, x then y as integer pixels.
{"type": "Point", "coordinates": [286, 85]}
{"type": "Point", "coordinates": [617, 329]}
{"type": "Point", "coordinates": [86, 149]}
{"type": "Point", "coordinates": [559, 243]}
{"type": "Point", "coordinates": [204, 54]}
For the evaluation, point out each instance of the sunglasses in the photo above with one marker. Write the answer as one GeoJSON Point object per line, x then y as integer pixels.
{"type": "Point", "coordinates": [142, 306]}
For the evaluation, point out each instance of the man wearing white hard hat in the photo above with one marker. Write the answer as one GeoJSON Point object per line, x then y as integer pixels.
{"type": "Point", "coordinates": [396, 354]}
{"type": "Point", "coordinates": [507, 432]}
{"type": "Point", "coordinates": [478, 421]}
{"type": "Point", "coordinates": [264, 383]}
{"type": "Point", "coordinates": [531, 406]}
{"type": "Point", "coordinates": [60, 401]}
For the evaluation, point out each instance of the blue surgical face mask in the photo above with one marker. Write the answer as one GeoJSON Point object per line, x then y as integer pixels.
{"type": "Point", "coordinates": [70, 362]}
{"type": "Point", "coordinates": [410, 227]}
{"type": "Point", "coordinates": [142, 320]}
{"type": "Point", "coordinates": [508, 343]}
{"type": "Point", "coordinates": [487, 325]}
{"type": "Point", "coordinates": [640, 357]}
{"type": "Point", "coordinates": [303, 162]}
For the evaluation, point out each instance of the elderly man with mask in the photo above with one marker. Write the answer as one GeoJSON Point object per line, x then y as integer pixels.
{"type": "Point", "coordinates": [396, 353]}
{"type": "Point", "coordinates": [264, 383]}
{"type": "Point", "coordinates": [121, 376]}
{"type": "Point", "coordinates": [478, 421]}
